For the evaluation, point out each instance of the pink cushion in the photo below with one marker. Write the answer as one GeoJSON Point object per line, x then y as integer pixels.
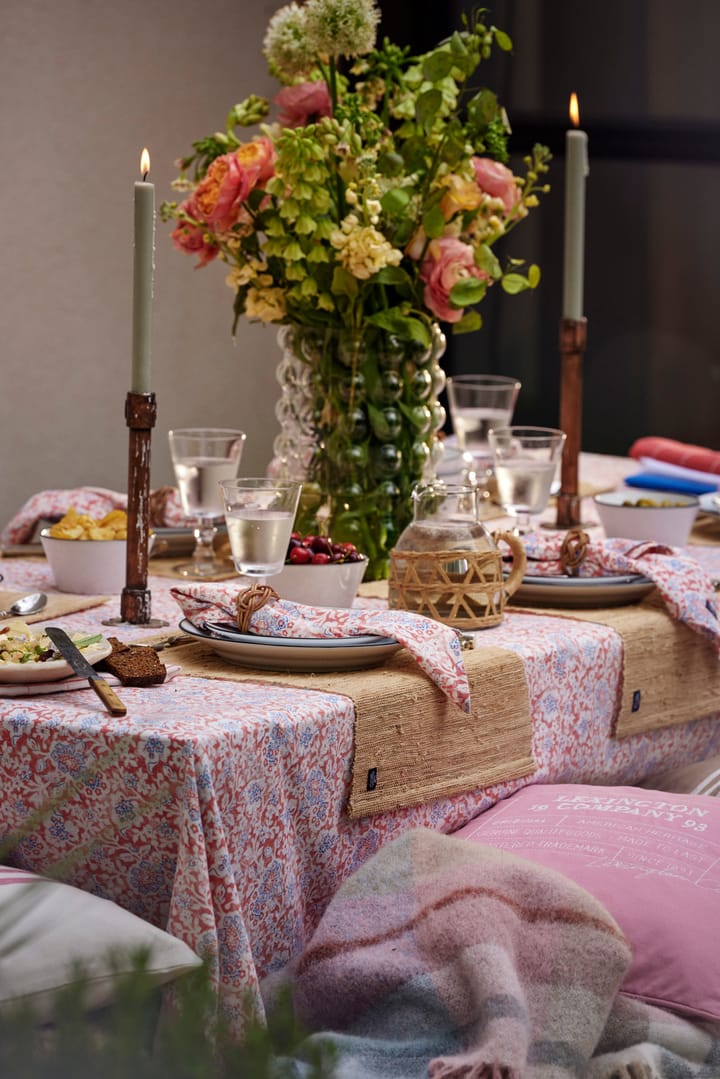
{"type": "Point", "coordinates": [652, 858]}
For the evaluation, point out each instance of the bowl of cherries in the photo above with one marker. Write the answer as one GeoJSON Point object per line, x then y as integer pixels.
{"type": "Point", "coordinates": [320, 572]}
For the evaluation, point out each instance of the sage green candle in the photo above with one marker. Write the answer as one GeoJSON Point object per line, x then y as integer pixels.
{"type": "Point", "coordinates": [143, 260]}
{"type": "Point", "coordinates": [576, 169]}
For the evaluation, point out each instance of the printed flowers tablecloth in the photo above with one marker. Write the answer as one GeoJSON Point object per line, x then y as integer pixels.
{"type": "Point", "coordinates": [217, 809]}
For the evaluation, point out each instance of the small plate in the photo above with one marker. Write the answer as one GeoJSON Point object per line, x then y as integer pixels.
{"type": "Point", "coordinates": [583, 591]}
{"type": "Point", "coordinates": [294, 653]}
{"type": "Point", "coordinates": [53, 669]}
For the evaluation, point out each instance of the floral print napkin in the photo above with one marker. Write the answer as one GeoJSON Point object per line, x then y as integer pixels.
{"type": "Point", "coordinates": [685, 587]}
{"type": "Point", "coordinates": [435, 647]}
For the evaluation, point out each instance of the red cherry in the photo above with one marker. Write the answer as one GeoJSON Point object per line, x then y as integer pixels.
{"type": "Point", "coordinates": [300, 556]}
{"type": "Point", "coordinates": [320, 558]}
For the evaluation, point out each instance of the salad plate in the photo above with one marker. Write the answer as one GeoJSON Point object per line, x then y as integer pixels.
{"type": "Point", "coordinates": [310, 654]}
{"type": "Point", "coordinates": [710, 503]}
{"type": "Point", "coordinates": [560, 591]}
{"type": "Point", "coordinates": [34, 669]}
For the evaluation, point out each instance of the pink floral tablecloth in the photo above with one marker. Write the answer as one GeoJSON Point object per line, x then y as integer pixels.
{"type": "Point", "coordinates": [217, 809]}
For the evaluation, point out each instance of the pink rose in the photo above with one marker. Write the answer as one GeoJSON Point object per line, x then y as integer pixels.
{"type": "Point", "coordinates": [219, 195]}
{"type": "Point", "coordinates": [258, 160]}
{"type": "Point", "coordinates": [447, 261]}
{"type": "Point", "coordinates": [191, 239]}
{"type": "Point", "coordinates": [304, 103]}
{"type": "Point", "coordinates": [497, 180]}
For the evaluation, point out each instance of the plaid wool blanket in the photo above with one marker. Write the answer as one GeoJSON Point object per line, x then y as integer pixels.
{"type": "Point", "coordinates": [446, 959]}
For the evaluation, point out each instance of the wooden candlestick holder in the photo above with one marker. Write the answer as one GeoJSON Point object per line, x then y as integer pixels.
{"type": "Point", "coordinates": [140, 412]}
{"type": "Point", "coordinates": [573, 338]}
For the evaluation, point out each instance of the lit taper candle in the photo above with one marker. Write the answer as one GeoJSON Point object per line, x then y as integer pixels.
{"type": "Point", "coordinates": [576, 169]}
{"type": "Point", "coordinates": [143, 260]}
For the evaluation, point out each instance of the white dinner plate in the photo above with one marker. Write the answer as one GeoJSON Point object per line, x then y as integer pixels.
{"type": "Point", "coordinates": [583, 591]}
{"type": "Point", "coordinates": [53, 669]}
{"type": "Point", "coordinates": [710, 503]}
{"type": "Point", "coordinates": [295, 653]}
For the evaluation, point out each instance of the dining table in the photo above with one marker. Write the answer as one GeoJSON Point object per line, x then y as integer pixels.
{"type": "Point", "coordinates": [220, 807]}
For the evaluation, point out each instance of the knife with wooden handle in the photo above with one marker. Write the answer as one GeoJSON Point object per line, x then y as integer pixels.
{"type": "Point", "coordinates": [80, 665]}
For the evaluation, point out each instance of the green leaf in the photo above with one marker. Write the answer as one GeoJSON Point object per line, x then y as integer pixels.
{"type": "Point", "coordinates": [437, 65]}
{"type": "Point", "coordinates": [393, 321]}
{"type": "Point", "coordinates": [482, 109]}
{"type": "Point", "coordinates": [343, 283]}
{"type": "Point", "coordinates": [533, 276]}
{"type": "Point", "coordinates": [486, 260]}
{"type": "Point", "coordinates": [467, 291]}
{"type": "Point", "coordinates": [433, 222]}
{"type": "Point", "coordinates": [395, 201]}
{"type": "Point", "coordinates": [427, 106]}
{"type": "Point", "coordinates": [503, 41]}
{"type": "Point", "coordinates": [391, 275]}
{"type": "Point", "coordinates": [471, 321]}
{"type": "Point", "coordinates": [513, 283]}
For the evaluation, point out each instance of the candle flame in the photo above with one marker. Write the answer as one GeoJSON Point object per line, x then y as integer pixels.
{"type": "Point", "coordinates": [574, 110]}
{"type": "Point", "coordinates": [144, 162]}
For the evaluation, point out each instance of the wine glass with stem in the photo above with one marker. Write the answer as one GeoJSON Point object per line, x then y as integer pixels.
{"type": "Point", "coordinates": [477, 403]}
{"type": "Point", "coordinates": [259, 513]}
{"type": "Point", "coordinates": [202, 457]}
{"type": "Point", "coordinates": [524, 462]}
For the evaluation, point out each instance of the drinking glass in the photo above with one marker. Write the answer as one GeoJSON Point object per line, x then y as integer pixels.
{"type": "Point", "coordinates": [201, 457]}
{"type": "Point", "coordinates": [477, 403]}
{"type": "Point", "coordinates": [260, 513]}
{"type": "Point", "coordinates": [524, 463]}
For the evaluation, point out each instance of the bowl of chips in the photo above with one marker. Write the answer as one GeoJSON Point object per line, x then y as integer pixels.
{"type": "Point", "coordinates": [87, 555]}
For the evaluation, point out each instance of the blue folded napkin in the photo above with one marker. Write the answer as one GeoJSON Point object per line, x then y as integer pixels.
{"type": "Point", "coordinates": [654, 481]}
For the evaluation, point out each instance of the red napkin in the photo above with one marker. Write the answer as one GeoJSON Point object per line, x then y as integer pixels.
{"type": "Point", "coordinates": [685, 454]}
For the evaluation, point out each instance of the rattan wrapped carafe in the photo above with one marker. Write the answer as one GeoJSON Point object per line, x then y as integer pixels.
{"type": "Point", "coordinates": [447, 566]}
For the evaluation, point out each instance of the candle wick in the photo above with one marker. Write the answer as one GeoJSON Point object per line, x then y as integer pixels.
{"type": "Point", "coordinates": [145, 176]}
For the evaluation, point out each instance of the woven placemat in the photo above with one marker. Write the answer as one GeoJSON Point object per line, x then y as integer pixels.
{"type": "Point", "coordinates": [412, 745]}
{"type": "Point", "coordinates": [58, 604]}
{"type": "Point", "coordinates": [670, 673]}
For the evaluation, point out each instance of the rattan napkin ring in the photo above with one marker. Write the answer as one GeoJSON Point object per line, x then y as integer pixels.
{"type": "Point", "coordinates": [573, 551]}
{"type": "Point", "coordinates": [251, 600]}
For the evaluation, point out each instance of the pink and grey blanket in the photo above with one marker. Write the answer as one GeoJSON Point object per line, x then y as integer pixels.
{"type": "Point", "coordinates": [446, 959]}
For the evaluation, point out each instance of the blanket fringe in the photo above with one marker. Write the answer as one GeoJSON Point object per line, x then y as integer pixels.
{"type": "Point", "coordinates": [467, 1069]}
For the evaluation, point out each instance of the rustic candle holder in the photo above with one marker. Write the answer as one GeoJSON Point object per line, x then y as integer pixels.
{"type": "Point", "coordinates": [573, 338]}
{"type": "Point", "coordinates": [140, 412]}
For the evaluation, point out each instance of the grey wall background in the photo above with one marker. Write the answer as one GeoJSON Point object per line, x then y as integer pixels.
{"type": "Point", "coordinates": [84, 86]}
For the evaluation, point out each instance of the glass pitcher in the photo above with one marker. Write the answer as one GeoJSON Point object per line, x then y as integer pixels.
{"type": "Point", "coordinates": [447, 566]}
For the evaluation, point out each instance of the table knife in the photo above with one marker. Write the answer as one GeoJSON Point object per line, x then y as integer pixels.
{"type": "Point", "coordinates": [80, 665]}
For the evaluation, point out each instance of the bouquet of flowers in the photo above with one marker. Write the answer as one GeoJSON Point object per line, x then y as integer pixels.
{"type": "Point", "coordinates": [361, 215]}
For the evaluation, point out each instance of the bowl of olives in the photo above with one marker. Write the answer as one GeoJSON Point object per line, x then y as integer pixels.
{"type": "Point", "coordinates": [663, 518]}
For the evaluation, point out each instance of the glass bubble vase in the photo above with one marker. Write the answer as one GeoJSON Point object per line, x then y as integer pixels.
{"type": "Point", "coordinates": [359, 418]}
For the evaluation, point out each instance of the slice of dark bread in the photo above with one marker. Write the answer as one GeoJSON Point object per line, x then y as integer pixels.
{"type": "Point", "coordinates": [133, 664]}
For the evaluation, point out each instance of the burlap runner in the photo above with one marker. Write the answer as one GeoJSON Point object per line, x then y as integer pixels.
{"type": "Point", "coordinates": [412, 745]}
{"type": "Point", "coordinates": [670, 673]}
{"type": "Point", "coordinates": [58, 604]}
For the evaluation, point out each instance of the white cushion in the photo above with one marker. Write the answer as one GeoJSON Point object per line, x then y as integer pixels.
{"type": "Point", "coordinates": [48, 930]}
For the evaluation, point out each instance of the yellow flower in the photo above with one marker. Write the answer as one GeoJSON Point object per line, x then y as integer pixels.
{"type": "Point", "coordinates": [265, 304]}
{"type": "Point", "coordinates": [363, 250]}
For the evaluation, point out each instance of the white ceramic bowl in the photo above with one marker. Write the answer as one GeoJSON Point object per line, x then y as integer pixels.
{"type": "Point", "coordinates": [620, 515]}
{"type": "Point", "coordinates": [333, 584]}
{"type": "Point", "coordinates": [88, 567]}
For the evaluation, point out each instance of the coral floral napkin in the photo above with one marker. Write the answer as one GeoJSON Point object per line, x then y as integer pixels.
{"type": "Point", "coordinates": [94, 501]}
{"type": "Point", "coordinates": [683, 454]}
{"type": "Point", "coordinates": [685, 587]}
{"type": "Point", "coordinates": [435, 647]}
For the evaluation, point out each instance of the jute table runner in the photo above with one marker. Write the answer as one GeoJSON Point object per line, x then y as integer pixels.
{"type": "Point", "coordinates": [411, 744]}
{"type": "Point", "coordinates": [670, 674]}
{"type": "Point", "coordinates": [58, 604]}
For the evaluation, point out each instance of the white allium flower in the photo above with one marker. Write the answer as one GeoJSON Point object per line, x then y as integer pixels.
{"type": "Point", "coordinates": [286, 44]}
{"type": "Point", "coordinates": [341, 27]}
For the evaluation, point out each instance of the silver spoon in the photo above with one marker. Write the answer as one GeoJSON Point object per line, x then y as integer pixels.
{"type": "Point", "coordinates": [26, 605]}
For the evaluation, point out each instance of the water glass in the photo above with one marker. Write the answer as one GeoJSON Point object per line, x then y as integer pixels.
{"type": "Point", "coordinates": [201, 457]}
{"type": "Point", "coordinates": [478, 403]}
{"type": "Point", "coordinates": [524, 462]}
{"type": "Point", "coordinates": [259, 512]}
